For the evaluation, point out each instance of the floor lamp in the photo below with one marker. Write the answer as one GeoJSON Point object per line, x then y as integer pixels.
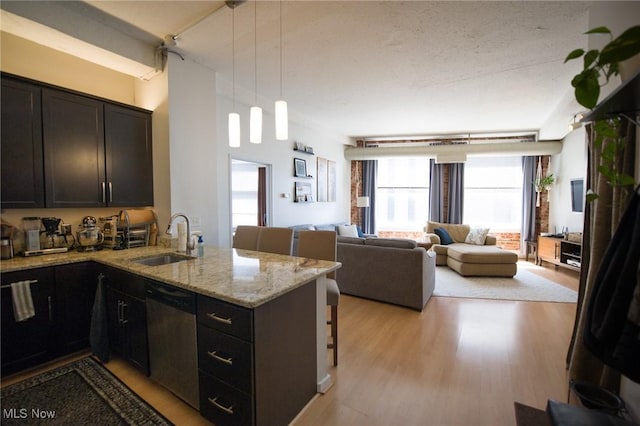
{"type": "Point", "coordinates": [362, 202]}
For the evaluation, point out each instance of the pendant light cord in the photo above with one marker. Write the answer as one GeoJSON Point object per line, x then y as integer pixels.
{"type": "Point", "coordinates": [280, 4]}
{"type": "Point", "coordinates": [233, 54]}
{"type": "Point", "coordinates": [255, 51]}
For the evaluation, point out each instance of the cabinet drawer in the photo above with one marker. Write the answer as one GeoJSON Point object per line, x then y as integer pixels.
{"type": "Point", "coordinates": [225, 317]}
{"type": "Point", "coordinates": [126, 282]}
{"type": "Point", "coordinates": [225, 357]}
{"type": "Point", "coordinates": [222, 404]}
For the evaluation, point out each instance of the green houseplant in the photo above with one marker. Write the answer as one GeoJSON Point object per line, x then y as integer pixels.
{"type": "Point", "coordinates": [602, 64]}
{"type": "Point", "coordinates": [544, 183]}
{"type": "Point", "coordinates": [598, 68]}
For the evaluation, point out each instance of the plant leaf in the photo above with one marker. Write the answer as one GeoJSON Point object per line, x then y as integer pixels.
{"type": "Point", "coordinates": [587, 88]}
{"type": "Point", "coordinates": [574, 54]}
{"type": "Point", "coordinates": [623, 47]}
{"type": "Point", "coordinates": [590, 58]}
{"type": "Point", "coordinates": [626, 180]}
{"type": "Point", "coordinates": [599, 30]}
{"type": "Point", "coordinates": [592, 196]}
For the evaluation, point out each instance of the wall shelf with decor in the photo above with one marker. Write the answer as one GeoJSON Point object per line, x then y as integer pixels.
{"type": "Point", "coordinates": [303, 193]}
{"type": "Point", "coordinates": [300, 147]}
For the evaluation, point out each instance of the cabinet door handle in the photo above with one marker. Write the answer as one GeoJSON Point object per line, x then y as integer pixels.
{"type": "Point", "coordinates": [213, 316]}
{"type": "Point", "coordinates": [214, 355]}
{"type": "Point", "coordinates": [124, 313]}
{"type": "Point", "coordinates": [120, 312]}
{"type": "Point", "coordinates": [104, 193]}
{"type": "Point", "coordinates": [110, 192]}
{"type": "Point", "coordinates": [214, 401]}
{"type": "Point", "coordinates": [50, 313]}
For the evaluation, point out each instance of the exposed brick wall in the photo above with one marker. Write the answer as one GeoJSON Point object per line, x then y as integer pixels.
{"type": "Point", "coordinates": [542, 212]}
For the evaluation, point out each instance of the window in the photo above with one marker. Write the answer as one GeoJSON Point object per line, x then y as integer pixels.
{"type": "Point", "coordinates": [493, 193]}
{"type": "Point", "coordinates": [244, 193]}
{"type": "Point", "coordinates": [402, 194]}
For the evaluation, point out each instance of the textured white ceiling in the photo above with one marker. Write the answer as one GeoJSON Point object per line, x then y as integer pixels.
{"type": "Point", "coordinates": [372, 68]}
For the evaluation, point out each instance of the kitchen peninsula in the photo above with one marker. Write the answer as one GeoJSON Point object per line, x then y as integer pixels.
{"type": "Point", "coordinates": [281, 298]}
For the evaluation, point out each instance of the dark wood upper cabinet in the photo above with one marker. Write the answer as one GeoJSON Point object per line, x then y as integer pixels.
{"type": "Point", "coordinates": [22, 179]}
{"type": "Point", "coordinates": [73, 135]}
{"type": "Point", "coordinates": [65, 149]}
{"type": "Point", "coordinates": [129, 162]}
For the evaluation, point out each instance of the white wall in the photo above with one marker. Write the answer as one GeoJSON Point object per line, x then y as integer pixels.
{"type": "Point", "coordinates": [154, 95]}
{"type": "Point", "coordinates": [193, 144]}
{"type": "Point", "coordinates": [571, 163]}
{"type": "Point", "coordinates": [280, 154]}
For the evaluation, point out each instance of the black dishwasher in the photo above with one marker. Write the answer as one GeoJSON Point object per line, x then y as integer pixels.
{"type": "Point", "coordinates": [171, 323]}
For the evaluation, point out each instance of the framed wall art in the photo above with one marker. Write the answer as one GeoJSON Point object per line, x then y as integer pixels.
{"type": "Point", "coordinates": [299, 167]}
{"type": "Point", "coordinates": [322, 179]}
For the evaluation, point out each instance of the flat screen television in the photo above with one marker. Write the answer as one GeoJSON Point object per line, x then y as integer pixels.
{"type": "Point", "coordinates": [577, 195]}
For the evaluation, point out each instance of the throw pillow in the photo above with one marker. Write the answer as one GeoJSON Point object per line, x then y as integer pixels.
{"type": "Point", "coordinates": [348, 231]}
{"type": "Point", "coordinates": [477, 236]}
{"type": "Point", "coordinates": [445, 238]}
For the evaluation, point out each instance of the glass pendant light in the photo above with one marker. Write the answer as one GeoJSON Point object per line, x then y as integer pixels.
{"type": "Point", "coordinates": [282, 119]}
{"type": "Point", "coordinates": [234, 117]}
{"type": "Point", "coordinates": [255, 117]}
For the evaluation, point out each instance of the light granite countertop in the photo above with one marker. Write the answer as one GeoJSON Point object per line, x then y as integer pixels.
{"type": "Point", "coordinates": [242, 277]}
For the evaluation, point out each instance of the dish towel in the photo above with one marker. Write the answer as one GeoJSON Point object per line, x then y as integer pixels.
{"type": "Point", "coordinates": [22, 302]}
{"type": "Point", "coordinates": [99, 334]}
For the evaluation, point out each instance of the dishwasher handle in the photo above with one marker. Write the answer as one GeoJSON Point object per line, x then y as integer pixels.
{"type": "Point", "coordinates": [178, 298]}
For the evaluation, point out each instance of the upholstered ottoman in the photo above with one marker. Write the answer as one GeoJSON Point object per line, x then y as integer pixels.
{"type": "Point", "coordinates": [483, 261]}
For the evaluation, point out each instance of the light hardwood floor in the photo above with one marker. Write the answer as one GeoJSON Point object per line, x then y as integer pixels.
{"type": "Point", "coordinates": [459, 362]}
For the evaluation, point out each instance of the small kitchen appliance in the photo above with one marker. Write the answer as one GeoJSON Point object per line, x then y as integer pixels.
{"type": "Point", "coordinates": [54, 236]}
{"type": "Point", "coordinates": [31, 227]}
{"type": "Point", "coordinates": [90, 236]}
{"type": "Point", "coordinates": [47, 241]}
{"type": "Point", "coordinates": [6, 242]}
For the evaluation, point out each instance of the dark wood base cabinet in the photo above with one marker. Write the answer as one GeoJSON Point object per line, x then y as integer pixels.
{"type": "Point", "coordinates": [257, 366]}
{"type": "Point", "coordinates": [127, 318]}
{"type": "Point", "coordinates": [62, 298]}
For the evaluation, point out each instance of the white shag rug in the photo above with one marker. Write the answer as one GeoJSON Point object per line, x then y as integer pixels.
{"type": "Point", "coordinates": [525, 285]}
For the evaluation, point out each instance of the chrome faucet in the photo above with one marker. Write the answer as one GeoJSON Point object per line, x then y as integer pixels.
{"type": "Point", "coordinates": [190, 244]}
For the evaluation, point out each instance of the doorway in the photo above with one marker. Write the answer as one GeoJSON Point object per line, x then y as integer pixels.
{"type": "Point", "coordinates": [250, 200]}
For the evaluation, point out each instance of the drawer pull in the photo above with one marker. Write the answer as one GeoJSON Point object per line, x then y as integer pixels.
{"type": "Point", "coordinates": [214, 401]}
{"type": "Point", "coordinates": [214, 355]}
{"type": "Point", "coordinates": [213, 316]}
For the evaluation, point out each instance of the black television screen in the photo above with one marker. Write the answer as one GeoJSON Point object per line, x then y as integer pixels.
{"type": "Point", "coordinates": [577, 195]}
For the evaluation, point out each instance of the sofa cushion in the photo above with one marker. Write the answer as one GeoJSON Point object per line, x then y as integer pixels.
{"type": "Point", "coordinates": [458, 232]}
{"type": "Point", "coordinates": [350, 240]}
{"type": "Point", "coordinates": [326, 227]}
{"type": "Point", "coordinates": [391, 242]}
{"type": "Point", "coordinates": [477, 236]}
{"type": "Point", "coordinates": [445, 238]}
{"type": "Point", "coordinates": [348, 231]}
{"type": "Point", "coordinates": [467, 253]}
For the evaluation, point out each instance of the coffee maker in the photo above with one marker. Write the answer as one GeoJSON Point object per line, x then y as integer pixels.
{"type": "Point", "coordinates": [47, 241]}
{"type": "Point", "coordinates": [31, 226]}
{"type": "Point", "coordinates": [56, 235]}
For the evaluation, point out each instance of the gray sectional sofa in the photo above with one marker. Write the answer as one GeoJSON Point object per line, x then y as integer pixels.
{"type": "Point", "coordinates": [388, 270]}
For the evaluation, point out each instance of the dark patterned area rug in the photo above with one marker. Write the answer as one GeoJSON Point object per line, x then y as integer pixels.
{"type": "Point", "coordinates": [80, 393]}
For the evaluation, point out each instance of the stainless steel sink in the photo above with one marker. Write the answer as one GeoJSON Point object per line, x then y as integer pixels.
{"type": "Point", "coordinates": [162, 259]}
